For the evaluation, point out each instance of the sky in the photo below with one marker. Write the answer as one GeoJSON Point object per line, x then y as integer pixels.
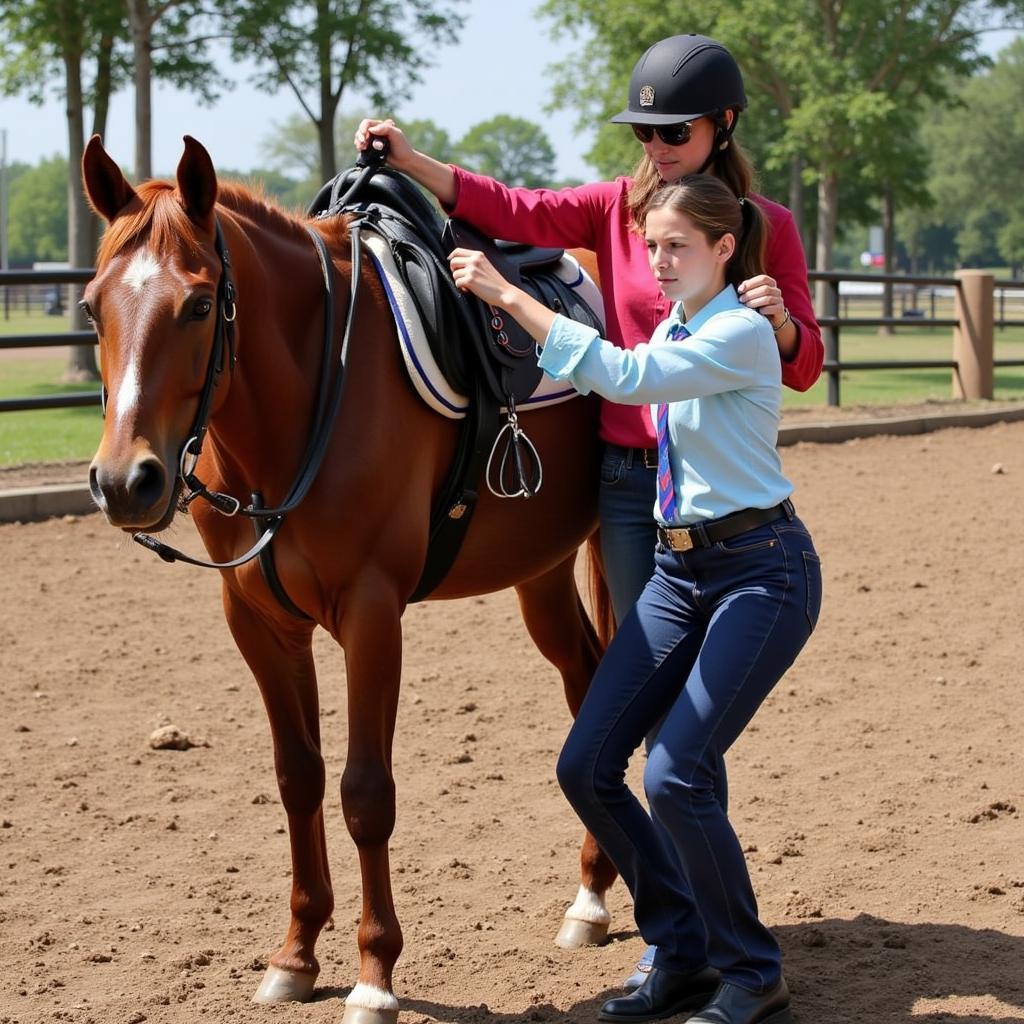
{"type": "Point", "coordinates": [498, 67]}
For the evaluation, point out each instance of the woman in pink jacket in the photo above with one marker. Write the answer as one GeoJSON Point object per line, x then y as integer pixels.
{"type": "Point", "coordinates": [685, 96]}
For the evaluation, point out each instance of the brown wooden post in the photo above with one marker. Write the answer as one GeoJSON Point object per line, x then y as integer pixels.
{"type": "Point", "coordinates": [973, 340]}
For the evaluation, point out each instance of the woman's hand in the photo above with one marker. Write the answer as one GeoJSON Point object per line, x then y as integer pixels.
{"type": "Point", "coordinates": [474, 272]}
{"type": "Point", "coordinates": [400, 151]}
{"type": "Point", "coordinates": [764, 295]}
{"type": "Point", "coordinates": [433, 175]}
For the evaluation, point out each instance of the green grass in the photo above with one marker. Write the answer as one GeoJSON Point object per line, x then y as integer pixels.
{"type": "Point", "coordinates": [20, 322]}
{"type": "Point", "coordinates": [892, 387]}
{"type": "Point", "coordinates": [43, 435]}
{"type": "Point", "coordinates": [48, 435]}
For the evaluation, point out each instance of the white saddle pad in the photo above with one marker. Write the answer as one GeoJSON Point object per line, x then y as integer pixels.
{"type": "Point", "coordinates": [423, 370]}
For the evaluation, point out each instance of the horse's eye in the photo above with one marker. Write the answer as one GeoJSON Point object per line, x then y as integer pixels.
{"type": "Point", "coordinates": [201, 309]}
{"type": "Point", "coordinates": [84, 307]}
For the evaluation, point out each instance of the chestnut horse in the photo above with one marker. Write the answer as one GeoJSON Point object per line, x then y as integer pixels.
{"type": "Point", "coordinates": [351, 554]}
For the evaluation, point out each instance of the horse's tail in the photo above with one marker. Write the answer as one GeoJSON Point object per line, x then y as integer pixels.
{"type": "Point", "coordinates": [597, 589]}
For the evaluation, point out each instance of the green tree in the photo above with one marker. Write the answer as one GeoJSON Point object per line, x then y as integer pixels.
{"type": "Point", "coordinates": [292, 150]}
{"type": "Point", "coordinates": [431, 138]}
{"type": "Point", "coordinates": [321, 50]}
{"type": "Point", "coordinates": [510, 149]}
{"type": "Point", "coordinates": [72, 42]}
{"type": "Point", "coordinates": [973, 148]}
{"type": "Point", "coordinates": [292, 146]}
{"type": "Point", "coordinates": [38, 213]}
{"type": "Point", "coordinates": [169, 41]}
{"type": "Point", "coordinates": [832, 81]}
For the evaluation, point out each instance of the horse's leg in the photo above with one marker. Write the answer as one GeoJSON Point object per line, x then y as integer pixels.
{"type": "Point", "coordinates": [558, 624]}
{"type": "Point", "coordinates": [371, 634]}
{"type": "Point", "coordinates": [282, 663]}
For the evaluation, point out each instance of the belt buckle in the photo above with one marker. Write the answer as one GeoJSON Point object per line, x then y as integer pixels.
{"type": "Point", "coordinates": [648, 455]}
{"type": "Point", "coordinates": [679, 539]}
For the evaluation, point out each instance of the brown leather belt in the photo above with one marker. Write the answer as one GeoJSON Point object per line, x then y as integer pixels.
{"type": "Point", "coordinates": [703, 535]}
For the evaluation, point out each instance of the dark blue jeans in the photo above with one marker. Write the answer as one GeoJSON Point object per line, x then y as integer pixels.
{"type": "Point", "coordinates": [713, 632]}
{"type": "Point", "coordinates": [628, 536]}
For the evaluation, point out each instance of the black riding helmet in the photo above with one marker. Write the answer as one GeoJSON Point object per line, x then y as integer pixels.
{"type": "Point", "coordinates": [683, 78]}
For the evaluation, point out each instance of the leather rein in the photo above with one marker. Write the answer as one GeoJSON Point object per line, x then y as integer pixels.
{"type": "Point", "coordinates": [222, 355]}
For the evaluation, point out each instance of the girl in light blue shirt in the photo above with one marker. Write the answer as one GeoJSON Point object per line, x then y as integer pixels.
{"type": "Point", "coordinates": [734, 597]}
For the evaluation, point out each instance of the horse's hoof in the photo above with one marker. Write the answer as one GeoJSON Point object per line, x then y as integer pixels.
{"type": "Point", "coordinates": [362, 1015]}
{"type": "Point", "coordinates": [575, 933]}
{"type": "Point", "coordinates": [281, 986]}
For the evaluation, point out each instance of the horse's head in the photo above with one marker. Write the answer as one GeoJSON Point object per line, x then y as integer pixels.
{"type": "Point", "coordinates": [153, 302]}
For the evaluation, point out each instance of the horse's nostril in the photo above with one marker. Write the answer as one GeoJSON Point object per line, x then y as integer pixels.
{"type": "Point", "coordinates": [146, 483]}
{"type": "Point", "coordinates": [95, 489]}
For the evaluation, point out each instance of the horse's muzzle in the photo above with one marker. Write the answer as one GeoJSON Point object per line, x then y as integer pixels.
{"type": "Point", "coordinates": [133, 497]}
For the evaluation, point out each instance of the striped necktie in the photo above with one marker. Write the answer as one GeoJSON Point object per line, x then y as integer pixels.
{"type": "Point", "coordinates": [666, 485]}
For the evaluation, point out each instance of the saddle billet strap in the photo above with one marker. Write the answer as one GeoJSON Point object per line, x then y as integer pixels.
{"type": "Point", "coordinates": [456, 502]}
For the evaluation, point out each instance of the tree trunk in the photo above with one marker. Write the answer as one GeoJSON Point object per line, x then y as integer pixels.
{"type": "Point", "coordinates": [328, 100]}
{"type": "Point", "coordinates": [888, 249]}
{"type": "Point", "coordinates": [325, 135]}
{"type": "Point", "coordinates": [141, 21]}
{"type": "Point", "coordinates": [828, 214]}
{"type": "Point", "coordinates": [796, 195]}
{"type": "Point", "coordinates": [82, 362]}
{"type": "Point", "coordinates": [101, 108]}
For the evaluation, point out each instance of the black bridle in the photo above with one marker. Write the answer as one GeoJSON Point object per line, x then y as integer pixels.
{"type": "Point", "coordinates": [222, 356]}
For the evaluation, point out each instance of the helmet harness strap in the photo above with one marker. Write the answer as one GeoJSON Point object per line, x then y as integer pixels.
{"type": "Point", "coordinates": [723, 133]}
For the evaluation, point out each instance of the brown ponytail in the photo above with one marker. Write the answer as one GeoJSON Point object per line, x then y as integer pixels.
{"type": "Point", "coordinates": [715, 211]}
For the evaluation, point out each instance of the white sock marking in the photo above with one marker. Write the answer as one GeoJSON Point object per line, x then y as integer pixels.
{"type": "Point", "coordinates": [369, 997]}
{"type": "Point", "coordinates": [589, 907]}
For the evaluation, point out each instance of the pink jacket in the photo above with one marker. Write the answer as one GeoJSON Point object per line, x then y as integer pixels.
{"type": "Point", "coordinates": [596, 217]}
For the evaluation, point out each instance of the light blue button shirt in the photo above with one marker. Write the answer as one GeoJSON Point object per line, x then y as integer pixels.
{"type": "Point", "coordinates": [723, 385]}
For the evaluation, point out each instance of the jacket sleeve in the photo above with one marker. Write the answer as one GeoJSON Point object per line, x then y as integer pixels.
{"type": "Point", "coordinates": [568, 218]}
{"type": "Point", "coordinates": [785, 262]}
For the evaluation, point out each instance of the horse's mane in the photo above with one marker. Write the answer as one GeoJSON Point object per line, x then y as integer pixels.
{"type": "Point", "coordinates": [158, 215]}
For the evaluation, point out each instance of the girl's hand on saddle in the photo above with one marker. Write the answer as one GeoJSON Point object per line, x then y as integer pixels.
{"type": "Point", "coordinates": [474, 272]}
{"type": "Point", "coordinates": [371, 128]}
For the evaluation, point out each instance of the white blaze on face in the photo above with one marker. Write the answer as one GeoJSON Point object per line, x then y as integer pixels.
{"type": "Point", "coordinates": [129, 391]}
{"type": "Point", "coordinates": [142, 269]}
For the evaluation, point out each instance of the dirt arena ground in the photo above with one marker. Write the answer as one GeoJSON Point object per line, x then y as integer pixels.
{"type": "Point", "coordinates": [877, 793]}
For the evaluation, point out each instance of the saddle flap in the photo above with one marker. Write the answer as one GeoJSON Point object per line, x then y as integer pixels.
{"type": "Point", "coordinates": [507, 343]}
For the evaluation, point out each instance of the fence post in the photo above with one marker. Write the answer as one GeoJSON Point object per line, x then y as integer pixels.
{"type": "Point", "coordinates": [830, 336]}
{"type": "Point", "coordinates": [973, 344]}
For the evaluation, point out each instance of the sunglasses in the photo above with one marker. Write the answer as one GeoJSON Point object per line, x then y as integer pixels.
{"type": "Point", "coordinates": [670, 134]}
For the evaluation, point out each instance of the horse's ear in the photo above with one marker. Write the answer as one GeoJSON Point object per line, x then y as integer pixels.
{"type": "Point", "coordinates": [197, 182]}
{"type": "Point", "coordinates": [107, 188]}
